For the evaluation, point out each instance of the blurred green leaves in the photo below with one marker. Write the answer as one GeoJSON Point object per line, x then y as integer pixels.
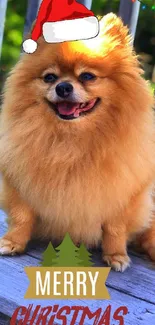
{"type": "Point", "coordinates": [104, 6]}
{"type": "Point", "coordinates": [13, 33]}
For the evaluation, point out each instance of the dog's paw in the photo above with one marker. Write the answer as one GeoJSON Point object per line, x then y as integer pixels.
{"type": "Point", "coordinates": [9, 247]}
{"type": "Point", "coordinates": [117, 262]}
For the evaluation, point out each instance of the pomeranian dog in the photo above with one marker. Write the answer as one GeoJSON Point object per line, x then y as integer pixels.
{"type": "Point", "coordinates": [77, 146]}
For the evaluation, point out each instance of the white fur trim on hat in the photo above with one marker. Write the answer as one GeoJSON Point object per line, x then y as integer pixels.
{"type": "Point", "coordinates": [29, 46]}
{"type": "Point", "coordinates": [71, 30]}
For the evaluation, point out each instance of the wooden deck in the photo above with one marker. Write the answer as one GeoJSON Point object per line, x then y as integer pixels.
{"type": "Point", "coordinates": [135, 288]}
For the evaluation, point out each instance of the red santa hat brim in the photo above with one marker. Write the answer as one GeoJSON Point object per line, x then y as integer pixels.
{"type": "Point", "coordinates": [71, 30]}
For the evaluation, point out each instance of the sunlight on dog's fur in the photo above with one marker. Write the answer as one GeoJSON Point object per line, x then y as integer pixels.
{"type": "Point", "coordinates": [90, 174]}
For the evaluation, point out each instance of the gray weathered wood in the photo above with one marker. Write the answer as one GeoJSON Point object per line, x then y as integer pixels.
{"type": "Point", "coordinates": [3, 6]}
{"type": "Point", "coordinates": [14, 284]}
{"type": "Point", "coordinates": [4, 320]}
{"type": "Point", "coordinates": [31, 14]}
{"type": "Point", "coordinates": [12, 295]}
{"type": "Point", "coordinates": [87, 3]}
{"type": "Point", "coordinates": [133, 289]}
{"type": "Point", "coordinates": [129, 12]}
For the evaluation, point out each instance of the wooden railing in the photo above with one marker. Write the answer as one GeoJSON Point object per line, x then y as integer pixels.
{"type": "Point", "coordinates": [3, 6]}
{"type": "Point", "coordinates": [129, 12]}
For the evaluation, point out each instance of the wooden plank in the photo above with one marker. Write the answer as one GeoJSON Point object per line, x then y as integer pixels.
{"type": "Point", "coordinates": [142, 273]}
{"type": "Point", "coordinates": [87, 3]}
{"type": "Point", "coordinates": [14, 283]}
{"type": "Point", "coordinates": [129, 11]}
{"type": "Point", "coordinates": [4, 320]}
{"type": "Point", "coordinates": [3, 6]}
{"type": "Point", "coordinates": [136, 280]}
{"type": "Point", "coordinates": [31, 14]}
{"type": "Point", "coordinates": [125, 289]}
{"type": "Point", "coordinates": [2, 217]}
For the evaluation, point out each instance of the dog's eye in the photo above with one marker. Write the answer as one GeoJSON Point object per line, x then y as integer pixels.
{"type": "Point", "coordinates": [50, 77]}
{"type": "Point", "coordinates": [86, 77]}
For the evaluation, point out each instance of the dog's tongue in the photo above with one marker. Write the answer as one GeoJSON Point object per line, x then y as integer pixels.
{"type": "Point", "coordinates": [68, 108]}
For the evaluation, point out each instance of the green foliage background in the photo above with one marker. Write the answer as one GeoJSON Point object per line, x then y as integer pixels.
{"type": "Point", "coordinates": [15, 20]}
{"type": "Point", "coordinates": [13, 34]}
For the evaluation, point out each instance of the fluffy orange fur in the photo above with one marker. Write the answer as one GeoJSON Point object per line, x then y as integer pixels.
{"type": "Point", "coordinates": [92, 177]}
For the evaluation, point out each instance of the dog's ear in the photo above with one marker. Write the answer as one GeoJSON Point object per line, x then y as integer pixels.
{"type": "Point", "coordinates": [113, 26]}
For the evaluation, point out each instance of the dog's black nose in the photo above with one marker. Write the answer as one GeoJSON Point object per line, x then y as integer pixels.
{"type": "Point", "coordinates": [64, 89]}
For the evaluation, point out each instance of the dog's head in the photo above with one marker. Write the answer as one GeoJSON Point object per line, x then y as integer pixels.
{"type": "Point", "coordinates": [75, 78]}
{"type": "Point", "coordinates": [94, 80]}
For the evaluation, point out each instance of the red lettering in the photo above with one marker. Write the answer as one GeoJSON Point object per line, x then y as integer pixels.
{"type": "Point", "coordinates": [42, 318]}
{"type": "Point", "coordinates": [119, 317]}
{"type": "Point", "coordinates": [63, 317]}
{"type": "Point", "coordinates": [90, 315]}
{"type": "Point", "coordinates": [25, 316]}
{"type": "Point", "coordinates": [55, 309]}
{"type": "Point", "coordinates": [105, 320]}
{"type": "Point", "coordinates": [22, 310]}
{"type": "Point", "coordinates": [76, 313]}
{"type": "Point", "coordinates": [29, 317]}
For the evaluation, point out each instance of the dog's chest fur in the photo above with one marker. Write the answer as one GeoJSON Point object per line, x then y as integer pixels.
{"type": "Point", "coordinates": [69, 189]}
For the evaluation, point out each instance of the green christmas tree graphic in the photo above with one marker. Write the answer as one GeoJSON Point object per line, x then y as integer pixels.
{"type": "Point", "coordinates": [49, 256]}
{"type": "Point", "coordinates": [67, 253]}
{"type": "Point", "coordinates": [84, 256]}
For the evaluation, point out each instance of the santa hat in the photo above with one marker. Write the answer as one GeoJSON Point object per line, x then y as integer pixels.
{"type": "Point", "coordinates": [60, 21]}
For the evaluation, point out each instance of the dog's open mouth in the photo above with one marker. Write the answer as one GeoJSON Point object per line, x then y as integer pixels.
{"type": "Point", "coordinates": [71, 110]}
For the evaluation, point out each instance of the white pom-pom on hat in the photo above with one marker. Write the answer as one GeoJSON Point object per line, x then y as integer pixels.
{"type": "Point", "coordinates": [29, 46]}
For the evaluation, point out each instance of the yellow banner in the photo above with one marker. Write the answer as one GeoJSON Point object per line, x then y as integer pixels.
{"type": "Point", "coordinates": [67, 282]}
